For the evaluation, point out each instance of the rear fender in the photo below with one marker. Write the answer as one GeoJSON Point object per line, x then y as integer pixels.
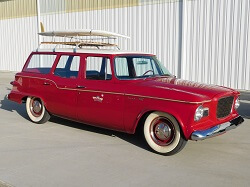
{"type": "Point", "coordinates": [37, 96]}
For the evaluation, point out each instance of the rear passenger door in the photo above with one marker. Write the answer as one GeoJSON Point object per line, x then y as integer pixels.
{"type": "Point", "coordinates": [62, 87]}
{"type": "Point", "coordinates": [100, 101]}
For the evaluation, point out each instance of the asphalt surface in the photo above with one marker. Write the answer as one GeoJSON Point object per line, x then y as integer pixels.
{"type": "Point", "coordinates": [65, 153]}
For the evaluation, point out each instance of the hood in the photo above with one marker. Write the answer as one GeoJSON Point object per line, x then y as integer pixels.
{"type": "Point", "coordinates": [183, 90]}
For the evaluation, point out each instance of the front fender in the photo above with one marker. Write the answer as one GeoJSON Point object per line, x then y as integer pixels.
{"type": "Point", "coordinates": [183, 113]}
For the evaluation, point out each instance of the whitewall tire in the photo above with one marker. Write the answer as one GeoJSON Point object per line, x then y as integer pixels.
{"type": "Point", "coordinates": [36, 110]}
{"type": "Point", "coordinates": [163, 133]}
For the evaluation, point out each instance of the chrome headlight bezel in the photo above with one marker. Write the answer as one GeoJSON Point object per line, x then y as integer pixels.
{"type": "Point", "coordinates": [198, 113]}
{"type": "Point", "coordinates": [237, 103]}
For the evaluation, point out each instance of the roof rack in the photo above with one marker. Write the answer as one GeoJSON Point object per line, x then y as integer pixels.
{"type": "Point", "coordinates": [82, 38]}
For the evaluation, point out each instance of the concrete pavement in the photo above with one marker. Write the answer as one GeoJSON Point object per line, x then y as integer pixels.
{"type": "Point", "coordinates": [65, 153]}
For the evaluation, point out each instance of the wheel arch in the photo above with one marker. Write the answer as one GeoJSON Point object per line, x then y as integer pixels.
{"type": "Point", "coordinates": [144, 114]}
{"type": "Point", "coordinates": [24, 99]}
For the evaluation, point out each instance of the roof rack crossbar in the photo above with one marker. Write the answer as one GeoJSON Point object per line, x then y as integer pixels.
{"type": "Point", "coordinates": [82, 43]}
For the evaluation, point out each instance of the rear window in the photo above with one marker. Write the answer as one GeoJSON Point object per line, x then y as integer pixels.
{"type": "Point", "coordinates": [40, 63]}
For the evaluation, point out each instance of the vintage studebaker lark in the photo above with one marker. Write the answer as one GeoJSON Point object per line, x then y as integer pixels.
{"type": "Point", "coordinates": [123, 91]}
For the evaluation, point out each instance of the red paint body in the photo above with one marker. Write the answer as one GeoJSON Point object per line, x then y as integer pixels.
{"type": "Point", "coordinates": [124, 101]}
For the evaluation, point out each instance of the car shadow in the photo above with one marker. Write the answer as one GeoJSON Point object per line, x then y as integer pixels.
{"type": "Point", "coordinates": [11, 106]}
{"type": "Point", "coordinates": [244, 109]}
{"type": "Point", "coordinates": [135, 139]}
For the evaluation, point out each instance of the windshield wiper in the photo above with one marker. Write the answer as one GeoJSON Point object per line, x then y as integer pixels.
{"type": "Point", "coordinates": [166, 75]}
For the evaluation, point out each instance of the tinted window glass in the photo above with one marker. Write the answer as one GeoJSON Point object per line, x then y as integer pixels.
{"type": "Point", "coordinates": [121, 65]}
{"type": "Point", "coordinates": [40, 63]}
{"type": "Point", "coordinates": [98, 68]}
{"type": "Point", "coordinates": [143, 66]}
{"type": "Point", "coordinates": [68, 66]}
{"type": "Point", "coordinates": [131, 67]}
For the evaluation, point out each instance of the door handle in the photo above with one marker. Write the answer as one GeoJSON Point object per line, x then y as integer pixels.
{"type": "Point", "coordinates": [79, 86]}
{"type": "Point", "coordinates": [46, 83]}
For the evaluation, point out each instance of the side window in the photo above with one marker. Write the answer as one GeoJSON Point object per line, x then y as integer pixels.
{"type": "Point", "coordinates": [40, 63]}
{"type": "Point", "coordinates": [98, 68]}
{"type": "Point", "coordinates": [68, 67]}
{"type": "Point", "coordinates": [121, 67]}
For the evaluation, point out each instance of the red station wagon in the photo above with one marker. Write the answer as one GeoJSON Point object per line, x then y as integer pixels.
{"type": "Point", "coordinates": [124, 91]}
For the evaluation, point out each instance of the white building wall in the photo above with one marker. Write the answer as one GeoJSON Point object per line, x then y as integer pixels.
{"type": "Point", "coordinates": [217, 47]}
{"type": "Point", "coordinates": [17, 38]}
{"type": "Point", "coordinates": [215, 39]}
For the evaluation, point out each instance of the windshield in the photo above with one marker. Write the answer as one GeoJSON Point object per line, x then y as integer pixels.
{"type": "Point", "coordinates": [131, 67]}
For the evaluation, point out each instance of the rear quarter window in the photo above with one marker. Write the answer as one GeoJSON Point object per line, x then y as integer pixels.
{"type": "Point", "coordinates": [40, 63]}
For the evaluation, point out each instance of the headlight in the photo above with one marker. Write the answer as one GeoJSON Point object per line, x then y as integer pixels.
{"type": "Point", "coordinates": [237, 103]}
{"type": "Point", "coordinates": [198, 113]}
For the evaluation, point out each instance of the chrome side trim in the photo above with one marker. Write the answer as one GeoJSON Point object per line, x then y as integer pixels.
{"type": "Point", "coordinates": [164, 99]}
{"type": "Point", "coordinates": [217, 130]}
{"type": "Point", "coordinates": [118, 93]}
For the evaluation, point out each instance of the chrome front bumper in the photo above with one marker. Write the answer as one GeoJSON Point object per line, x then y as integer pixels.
{"type": "Point", "coordinates": [217, 130]}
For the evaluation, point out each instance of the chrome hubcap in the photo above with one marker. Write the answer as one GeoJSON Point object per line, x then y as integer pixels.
{"type": "Point", "coordinates": [162, 131]}
{"type": "Point", "coordinates": [36, 107]}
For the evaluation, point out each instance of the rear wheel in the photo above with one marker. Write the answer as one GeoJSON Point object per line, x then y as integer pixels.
{"type": "Point", "coordinates": [36, 110]}
{"type": "Point", "coordinates": [163, 134]}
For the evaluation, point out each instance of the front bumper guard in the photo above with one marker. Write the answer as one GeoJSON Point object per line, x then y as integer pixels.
{"type": "Point", "coordinates": [217, 130]}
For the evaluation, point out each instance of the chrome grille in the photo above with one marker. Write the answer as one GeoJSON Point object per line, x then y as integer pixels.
{"type": "Point", "coordinates": [224, 106]}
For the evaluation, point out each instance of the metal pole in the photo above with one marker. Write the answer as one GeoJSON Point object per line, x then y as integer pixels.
{"type": "Point", "coordinates": [38, 20]}
{"type": "Point", "coordinates": [39, 29]}
{"type": "Point", "coordinates": [183, 42]}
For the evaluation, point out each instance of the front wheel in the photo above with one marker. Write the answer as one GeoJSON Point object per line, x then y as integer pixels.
{"type": "Point", "coordinates": [163, 134]}
{"type": "Point", "coordinates": [36, 110]}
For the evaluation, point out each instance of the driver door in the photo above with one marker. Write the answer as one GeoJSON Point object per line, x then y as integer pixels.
{"type": "Point", "coordinates": [100, 100]}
